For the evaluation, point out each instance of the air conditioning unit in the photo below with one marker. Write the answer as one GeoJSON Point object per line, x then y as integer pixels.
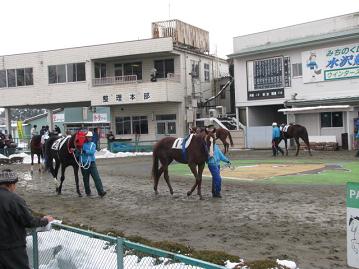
{"type": "Point", "coordinates": [213, 113]}
{"type": "Point", "coordinates": [221, 111]}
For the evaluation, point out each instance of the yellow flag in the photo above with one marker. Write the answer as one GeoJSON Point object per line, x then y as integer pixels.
{"type": "Point", "coordinates": [20, 131]}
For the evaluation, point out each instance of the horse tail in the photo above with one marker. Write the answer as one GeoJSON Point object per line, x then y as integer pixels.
{"type": "Point", "coordinates": [230, 138]}
{"type": "Point", "coordinates": [154, 164]}
{"type": "Point", "coordinates": [305, 137]}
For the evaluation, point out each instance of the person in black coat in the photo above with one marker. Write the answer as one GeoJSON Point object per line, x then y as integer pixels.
{"type": "Point", "coordinates": [15, 216]}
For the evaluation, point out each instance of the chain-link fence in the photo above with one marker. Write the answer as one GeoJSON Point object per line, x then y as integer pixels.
{"type": "Point", "coordinates": [66, 247]}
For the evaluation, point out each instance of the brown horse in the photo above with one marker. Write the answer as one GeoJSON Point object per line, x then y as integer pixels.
{"type": "Point", "coordinates": [295, 131]}
{"type": "Point", "coordinates": [221, 134]}
{"type": "Point", "coordinates": [36, 148]}
{"type": "Point", "coordinates": [195, 156]}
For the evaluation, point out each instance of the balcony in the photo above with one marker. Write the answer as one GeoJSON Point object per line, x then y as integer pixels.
{"type": "Point", "coordinates": [114, 80]}
{"type": "Point", "coordinates": [130, 79]}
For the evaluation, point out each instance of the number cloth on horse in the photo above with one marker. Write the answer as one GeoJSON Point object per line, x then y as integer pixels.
{"type": "Point", "coordinates": [178, 144]}
{"type": "Point", "coordinates": [284, 128]}
{"type": "Point", "coordinates": [58, 144]}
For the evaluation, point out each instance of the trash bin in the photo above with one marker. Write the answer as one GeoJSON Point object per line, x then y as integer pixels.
{"type": "Point", "coordinates": [344, 140]}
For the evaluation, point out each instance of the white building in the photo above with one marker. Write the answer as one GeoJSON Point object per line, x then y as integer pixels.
{"type": "Point", "coordinates": [307, 71]}
{"type": "Point", "coordinates": [121, 75]}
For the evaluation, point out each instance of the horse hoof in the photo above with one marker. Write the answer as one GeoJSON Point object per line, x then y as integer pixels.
{"type": "Point", "coordinates": [201, 197]}
{"type": "Point", "coordinates": [80, 195]}
{"type": "Point", "coordinates": [156, 192]}
{"type": "Point", "coordinates": [189, 193]}
{"type": "Point", "coordinates": [171, 192]}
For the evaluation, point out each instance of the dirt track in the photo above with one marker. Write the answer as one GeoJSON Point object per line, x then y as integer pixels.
{"type": "Point", "coordinates": [302, 223]}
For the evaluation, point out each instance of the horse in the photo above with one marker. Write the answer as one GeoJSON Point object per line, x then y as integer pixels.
{"type": "Point", "coordinates": [353, 224]}
{"type": "Point", "coordinates": [221, 134]}
{"type": "Point", "coordinates": [295, 131]}
{"type": "Point", "coordinates": [36, 148]}
{"type": "Point", "coordinates": [65, 156]}
{"type": "Point", "coordinates": [195, 156]}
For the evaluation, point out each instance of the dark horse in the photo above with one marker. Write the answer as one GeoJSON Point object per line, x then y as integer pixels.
{"type": "Point", "coordinates": [36, 148]}
{"type": "Point", "coordinates": [295, 131]}
{"type": "Point", "coordinates": [221, 134]}
{"type": "Point", "coordinates": [65, 156]}
{"type": "Point", "coordinates": [195, 156]}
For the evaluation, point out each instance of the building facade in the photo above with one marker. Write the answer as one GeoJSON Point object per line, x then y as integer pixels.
{"type": "Point", "coordinates": [151, 86]}
{"type": "Point", "coordinates": [306, 73]}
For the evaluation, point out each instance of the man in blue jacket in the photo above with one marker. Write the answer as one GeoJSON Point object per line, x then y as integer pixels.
{"type": "Point", "coordinates": [214, 167]}
{"type": "Point", "coordinates": [89, 166]}
{"type": "Point", "coordinates": [276, 140]}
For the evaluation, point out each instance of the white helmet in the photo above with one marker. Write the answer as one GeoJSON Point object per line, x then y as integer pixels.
{"type": "Point", "coordinates": [89, 134]}
{"type": "Point", "coordinates": [274, 124]}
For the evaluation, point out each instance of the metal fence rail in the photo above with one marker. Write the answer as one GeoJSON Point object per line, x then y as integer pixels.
{"type": "Point", "coordinates": [66, 247]}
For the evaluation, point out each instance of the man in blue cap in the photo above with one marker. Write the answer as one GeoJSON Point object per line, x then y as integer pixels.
{"type": "Point", "coordinates": [15, 216]}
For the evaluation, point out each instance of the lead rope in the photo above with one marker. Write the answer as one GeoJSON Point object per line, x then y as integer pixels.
{"type": "Point", "coordinates": [80, 165]}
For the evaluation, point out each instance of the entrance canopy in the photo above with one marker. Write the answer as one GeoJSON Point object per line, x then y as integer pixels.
{"type": "Point", "coordinates": [315, 109]}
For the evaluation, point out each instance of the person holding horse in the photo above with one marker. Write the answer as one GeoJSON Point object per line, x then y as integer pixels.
{"type": "Point", "coordinates": [213, 163]}
{"type": "Point", "coordinates": [276, 137]}
{"type": "Point", "coordinates": [89, 166]}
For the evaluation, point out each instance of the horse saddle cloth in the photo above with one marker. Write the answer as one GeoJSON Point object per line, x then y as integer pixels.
{"type": "Point", "coordinates": [284, 129]}
{"type": "Point", "coordinates": [58, 144]}
{"type": "Point", "coordinates": [178, 144]}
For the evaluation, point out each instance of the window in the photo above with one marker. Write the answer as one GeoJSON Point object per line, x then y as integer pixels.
{"type": "Point", "coordinates": [139, 125]}
{"type": "Point", "coordinates": [118, 70]}
{"type": "Point", "coordinates": [20, 77]}
{"type": "Point", "coordinates": [61, 73]}
{"type": "Point", "coordinates": [66, 73]}
{"type": "Point", "coordinates": [331, 119]}
{"type": "Point", "coordinates": [164, 67]}
{"type": "Point", "coordinates": [195, 69]}
{"type": "Point", "coordinates": [29, 79]}
{"type": "Point", "coordinates": [287, 77]}
{"type": "Point", "coordinates": [100, 70]}
{"type": "Point", "coordinates": [206, 72]}
{"type": "Point", "coordinates": [123, 125]}
{"type": "Point", "coordinates": [297, 70]}
{"type": "Point", "coordinates": [76, 72]}
{"type": "Point", "coordinates": [166, 124]}
{"type": "Point", "coordinates": [3, 83]}
{"type": "Point", "coordinates": [166, 117]}
{"type": "Point", "coordinates": [133, 69]}
{"type": "Point", "coordinates": [11, 79]}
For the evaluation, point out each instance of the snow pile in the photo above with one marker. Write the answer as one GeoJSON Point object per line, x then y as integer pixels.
{"type": "Point", "coordinates": [105, 154]}
{"type": "Point", "coordinates": [102, 154]}
{"type": "Point", "coordinates": [281, 263]}
{"type": "Point", "coordinates": [289, 264]}
{"type": "Point", "coordinates": [63, 250]}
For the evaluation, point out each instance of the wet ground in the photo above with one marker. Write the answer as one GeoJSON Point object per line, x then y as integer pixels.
{"type": "Point", "coordinates": [303, 223]}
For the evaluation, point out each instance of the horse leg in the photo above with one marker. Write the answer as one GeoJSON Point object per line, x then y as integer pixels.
{"type": "Point", "coordinates": [297, 142]}
{"type": "Point", "coordinates": [193, 168]}
{"type": "Point", "coordinates": [54, 174]}
{"type": "Point", "coordinates": [76, 173]}
{"type": "Point", "coordinates": [39, 161]}
{"type": "Point", "coordinates": [32, 163]}
{"type": "Point", "coordinates": [200, 171]}
{"type": "Point", "coordinates": [226, 147]}
{"type": "Point", "coordinates": [286, 147]}
{"type": "Point", "coordinates": [63, 167]}
{"type": "Point", "coordinates": [157, 178]}
{"type": "Point", "coordinates": [167, 178]}
{"type": "Point", "coordinates": [306, 141]}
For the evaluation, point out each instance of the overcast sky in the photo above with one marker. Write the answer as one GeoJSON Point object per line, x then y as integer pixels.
{"type": "Point", "coordinates": [33, 25]}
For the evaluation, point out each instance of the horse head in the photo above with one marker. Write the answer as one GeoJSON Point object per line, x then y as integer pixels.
{"type": "Point", "coordinates": [80, 139]}
{"type": "Point", "coordinates": [210, 139]}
